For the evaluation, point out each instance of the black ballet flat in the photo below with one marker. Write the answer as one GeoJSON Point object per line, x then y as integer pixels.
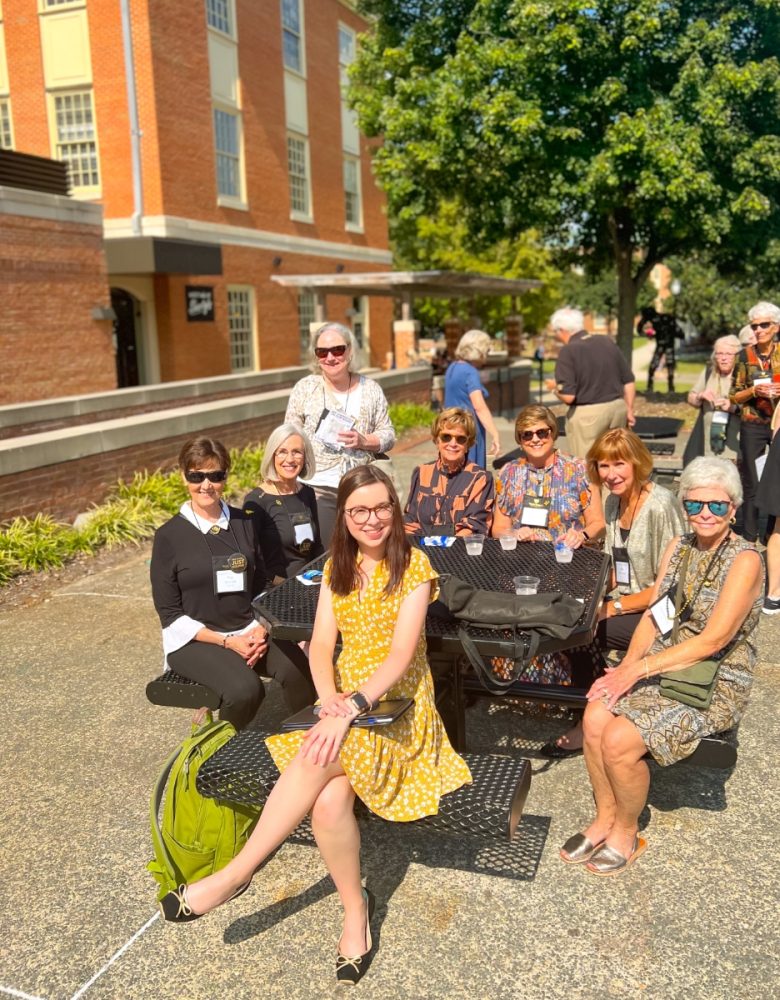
{"type": "Point", "coordinates": [351, 970]}
{"type": "Point", "coordinates": [175, 908]}
{"type": "Point", "coordinates": [555, 752]}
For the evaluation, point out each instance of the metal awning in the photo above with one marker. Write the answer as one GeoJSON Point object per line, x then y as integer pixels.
{"type": "Point", "coordinates": [403, 284]}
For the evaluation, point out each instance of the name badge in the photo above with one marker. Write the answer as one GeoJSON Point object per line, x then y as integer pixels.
{"type": "Point", "coordinates": [720, 417]}
{"type": "Point", "coordinates": [622, 566]}
{"type": "Point", "coordinates": [535, 512]}
{"type": "Point", "coordinates": [663, 614]}
{"type": "Point", "coordinates": [763, 380]}
{"type": "Point", "coordinates": [229, 573]}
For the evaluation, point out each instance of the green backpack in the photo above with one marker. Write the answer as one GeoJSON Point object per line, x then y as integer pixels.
{"type": "Point", "coordinates": [198, 835]}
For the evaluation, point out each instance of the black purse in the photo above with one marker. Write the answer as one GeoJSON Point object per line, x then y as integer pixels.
{"type": "Point", "coordinates": [523, 619]}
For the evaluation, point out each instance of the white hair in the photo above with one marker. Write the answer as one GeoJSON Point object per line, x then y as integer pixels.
{"type": "Point", "coordinates": [343, 332]}
{"type": "Point", "coordinates": [276, 439]}
{"type": "Point", "coordinates": [729, 341]}
{"type": "Point", "coordinates": [747, 336]}
{"type": "Point", "coordinates": [568, 319]}
{"type": "Point", "coordinates": [764, 310]}
{"type": "Point", "coordinates": [707, 470]}
{"type": "Point", "coordinates": [474, 345]}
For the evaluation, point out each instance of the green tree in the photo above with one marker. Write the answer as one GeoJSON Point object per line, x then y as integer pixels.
{"type": "Point", "coordinates": [625, 131]}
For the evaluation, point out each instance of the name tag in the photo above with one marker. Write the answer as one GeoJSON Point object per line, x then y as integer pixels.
{"type": "Point", "coordinates": [303, 532]}
{"type": "Point", "coordinates": [535, 512]}
{"type": "Point", "coordinates": [622, 565]}
{"type": "Point", "coordinates": [229, 573]}
{"type": "Point", "coordinates": [663, 614]}
{"type": "Point", "coordinates": [720, 417]}
{"type": "Point", "coordinates": [763, 380]}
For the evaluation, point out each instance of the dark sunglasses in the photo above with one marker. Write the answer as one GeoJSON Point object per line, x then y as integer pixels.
{"type": "Point", "coordinates": [338, 351]}
{"type": "Point", "coordinates": [216, 476]}
{"type": "Point", "coordinates": [761, 326]}
{"type": "Point", "coordinates": [717, 507]}
{"type": "Point", "coordinates": [459, 438]}
{"type": "Point", "coordinates": [541, 432]}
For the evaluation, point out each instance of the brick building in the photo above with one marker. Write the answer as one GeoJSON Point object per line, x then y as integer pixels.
{"type": "Point", "coordinates": [215, 136]}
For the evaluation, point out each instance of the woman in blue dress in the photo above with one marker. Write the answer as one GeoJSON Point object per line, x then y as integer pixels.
{"type": "Point", "coordinates": [463, 387]}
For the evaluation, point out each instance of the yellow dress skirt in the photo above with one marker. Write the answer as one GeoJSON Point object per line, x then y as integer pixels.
{"type": "Point", "coordinates": [399, 771]}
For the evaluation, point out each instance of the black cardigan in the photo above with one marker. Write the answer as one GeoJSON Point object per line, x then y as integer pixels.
{"type": "Point", "coordinates": [274, 527]}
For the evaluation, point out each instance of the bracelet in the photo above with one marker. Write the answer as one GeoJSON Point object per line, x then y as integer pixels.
{"type": "Point", "coordinates": [224, 641]}
{"type": "Point", "coordinates": [585, 535]}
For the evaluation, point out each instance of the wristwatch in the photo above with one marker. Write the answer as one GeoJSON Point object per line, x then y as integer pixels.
{"type": "Point", "coordinates": [618, 606]}
{"type": "Point", "coordinates": [360, 701]}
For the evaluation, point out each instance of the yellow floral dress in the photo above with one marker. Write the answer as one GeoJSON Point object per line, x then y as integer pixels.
{"type": "Point", "coordinates": [402, 770]}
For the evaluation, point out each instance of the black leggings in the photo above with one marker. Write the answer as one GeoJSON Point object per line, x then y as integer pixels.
{"type": "Point", "coordinates": [753, 439]}
{"type": "Point", "coordinates": [239, 687]}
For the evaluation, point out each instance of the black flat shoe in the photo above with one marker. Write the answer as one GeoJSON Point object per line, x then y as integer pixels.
{"type": "Point", "coordinates": [351, 970]}
{"type": "Point", "coordinates": [175, 908]}
{"type": "Point", "coordinates": [555, 752]}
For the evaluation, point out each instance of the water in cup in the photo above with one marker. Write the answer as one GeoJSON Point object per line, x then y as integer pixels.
{"type": "Point", "coordinates": [474, 544]}
{"type": "Point", "coordinates": [508, 542]}
{"type": "Point", "coordinates": [526, 584]}
{"type": "Point", "coordinates": [563, 553]}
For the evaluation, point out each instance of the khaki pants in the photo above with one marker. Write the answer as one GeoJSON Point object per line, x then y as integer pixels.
{"type": "Point", "coordinates": [585, 424]}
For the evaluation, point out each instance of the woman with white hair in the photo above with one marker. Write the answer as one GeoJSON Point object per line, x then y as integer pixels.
{"type": "Point", "coordinates": [716, 431]}
{"type": "Point", "coordinates": [463, 388]}
{"type": "Point", "coordinates": [283, 509]}
{"type": "Point", "coordinates": [344, 414]}
{"type": "Point", "coordinates": [703, 614]}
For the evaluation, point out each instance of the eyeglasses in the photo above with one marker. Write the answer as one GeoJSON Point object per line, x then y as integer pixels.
{"type": "Point", "coordinates": [726, 354]}
{"type": "Point", "coordinates": [761, 326]}
{"type": "Point", "coordinates": [458, 438]}
{"type": "Point", "coordinates": [717, 507]}
{"type": "Point", "coordinates": [360, 515]}
{"type": "Point", "coordinates": [541, 432]}
{"type": "Point", "coordinates": [284, 453]}
{"type": "Point", "coordinates": [338, 351]}
{"type": "Point", "coordinates": [214, 476]}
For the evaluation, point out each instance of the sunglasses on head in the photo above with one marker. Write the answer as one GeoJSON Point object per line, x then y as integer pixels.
{"type": "Point", "coordinates": [541, 432]}
{"type": "Point", "coordinates": [338, 351]}
{"type": "Point", "coordinates": [458, 438]}
{"type": "Point", "coordinates": [717, 507]}
{"type": "Point", "coordinates": [214, 476]}
{"type": "Point", "coordinates": [761, 326]}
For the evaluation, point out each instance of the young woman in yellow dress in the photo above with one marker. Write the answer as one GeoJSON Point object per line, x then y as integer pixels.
{"type": "Point", "coordinates": [375, 592]}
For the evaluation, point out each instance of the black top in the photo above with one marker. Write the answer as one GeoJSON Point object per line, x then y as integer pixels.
{"type": "Point", "coordinates": [275, 518]}
{"type": "Point", "coordinates": [183, 577]}
{"type": "Point", "coordinates": [592, 368]}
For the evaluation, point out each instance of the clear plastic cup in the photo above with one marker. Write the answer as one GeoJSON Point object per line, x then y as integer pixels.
{"type": "Point", "coordinates": [508, 542]}
{"type": "Point", "coordinates": [474, 544]}
{"type": "Point", "coordinates": [563, 553]}
{"type": "Point", "coordinates": [526, 584]}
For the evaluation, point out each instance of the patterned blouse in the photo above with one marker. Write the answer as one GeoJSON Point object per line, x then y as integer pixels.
{"type": "Point", "coordinates": [463, 500]}
{"type": "Point", "coordinates": [748, 366]}
{"type": "Point", "coordinates": [311, 396]}
{"type": "Point", "coordinates": [657, 522]}
{"type": "Point", "coordinates": [566, 484]}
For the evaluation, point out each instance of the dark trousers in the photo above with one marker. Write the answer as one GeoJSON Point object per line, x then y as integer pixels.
{"type": "Point", "coordinates": [240, 689]}
{"type": "Point", "coordinates": [661, 351]}
{"type": "Point", "coordinates": [753, 439]}
{"type": "Point", "coordinates": [616, 632]}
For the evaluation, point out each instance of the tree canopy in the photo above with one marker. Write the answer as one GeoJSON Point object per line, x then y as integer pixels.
{"type": "Point", "coordinates": [625, 131]}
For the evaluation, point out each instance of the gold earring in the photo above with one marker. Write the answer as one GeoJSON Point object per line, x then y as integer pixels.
{"type": "Point", "coordinates": [733, 520]}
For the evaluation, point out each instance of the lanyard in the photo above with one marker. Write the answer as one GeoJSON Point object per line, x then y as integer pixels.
{"type": "Point", "coordinates": [680, 601]}
{"type": "Point", "coordinates": [216, 534]}
{"type": "Point", "coordinates": [633, 513]}
{"type": "Point", "coordinates": [345, 407]}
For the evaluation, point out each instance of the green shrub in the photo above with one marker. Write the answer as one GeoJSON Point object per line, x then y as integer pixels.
{"type": "Point", "coordinates": [163, 489]}
{"type": "Point", "coordinates": [244, 470]}
{"type": "Point", "coordinates": [28, 545]}
{"type": "Point", "coordinates": [406, 416]}
{"type": "Point", "coordinates": [122, 520]}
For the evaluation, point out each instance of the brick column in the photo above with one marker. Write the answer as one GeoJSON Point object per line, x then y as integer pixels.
{"type": "Point", "coordinates": [405, 333]}
{"type": "Point", "coordinates": [514, 336]}
{"type": "Point", "coordinates": [453, 331]}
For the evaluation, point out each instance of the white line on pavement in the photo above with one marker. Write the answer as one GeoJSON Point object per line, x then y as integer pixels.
{"type": "Point", "coordinates": [18, 993]}
{"type": "Point", "coordinates": [95, 593]}
{"type": "Point", "coordinates": [117, 955]}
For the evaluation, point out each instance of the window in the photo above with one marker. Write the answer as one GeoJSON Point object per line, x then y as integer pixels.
{"type": "Point", "coordinates": [75, 139]}
{"type": "Point", "coordinates": [352, 203]}
{"type": "Point", "coordinates": [297, 166]}
{"type": "Point", "coordinates": [61, 3]}
{"type": "Point", "coordinates": [306, 316]}
{"type": "Point", "coordinates": [6, 135]}
{"type": "Point", "coordinates": [292, 38]}
{"type": "Point", "coordinates": [240, 329]}
{"type": "Point", "coordinates": [347, 44]}
{"type": "Point", "coordinates": [227, 141]}
{"type": "Point", "coordinates": [219, 15]}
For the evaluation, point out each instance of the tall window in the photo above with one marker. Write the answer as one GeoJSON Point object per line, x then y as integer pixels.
{"type": "Point", "coordinates": [219, 15]}
{"type": "Point", "coordinates": [292, 38]}
{"type": "Point", "coordinates": [352, 200]}
{"type": "Point", "coordinates": [227, 141]}
{"type": "Point", "coordinates": [6, 135]}
{"type": "Point", "coordinates": [306, 316]}
{"type": "Point", "coordinates": [75, 139]}
{"type": "Point", "coordinates": [298, 170]}
{"type": "Point", "coordinates": [240, 328]}
{"type": "Point", "coordinates": [58, 3]}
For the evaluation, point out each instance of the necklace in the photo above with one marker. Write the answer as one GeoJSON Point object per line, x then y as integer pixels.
{"type": "Point", "coordinates": [633, 512]}
{"type": "Point", "coordinates": [205, 516]}
{"type": "Point", "coordinates": [343, 403]}
{"type": "Point", "coordinates": [276, 486]}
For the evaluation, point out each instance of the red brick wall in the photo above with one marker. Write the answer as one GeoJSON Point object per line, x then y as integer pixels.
{"type": "Point", "coordinates": [52, 275]}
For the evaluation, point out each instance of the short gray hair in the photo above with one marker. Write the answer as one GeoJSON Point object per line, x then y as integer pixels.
{"type": "Point", "coordinates": [345, 333]}
{"type": "Point", "coordinates": [707, 470]}
{"type": "Point", "coordinates": [474, 345]}
{"type": "Point", "coordinates": [746, 335]}
{"type": "Point", "coordinates": [764, 310]}
{"type": "Point", "coordinates": [276, 439]}
{"type": "Point", "coordinates": [728, 341]}
{"type": "Point", "coordinates": [567, 319]}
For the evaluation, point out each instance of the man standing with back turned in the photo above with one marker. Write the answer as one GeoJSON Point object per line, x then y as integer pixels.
{"type": "Point", "coordinates": [593, 378]}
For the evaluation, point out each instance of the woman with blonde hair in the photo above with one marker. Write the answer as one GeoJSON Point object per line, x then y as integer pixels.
{"type": "Point", "coordinates": [463, 388]}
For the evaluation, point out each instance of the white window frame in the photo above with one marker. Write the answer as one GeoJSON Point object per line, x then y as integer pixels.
{"type": "Point", "coordinates": [307, 314]}
{"type": "Point", "coordinates": [54, 6]}
{"type": "Point", "coordinates": [353, 225]}
{"type": "Point", "coordinates": [343, 64]}
{"type": "Point", "coordinates": [53, 96]}
{"type": "Point", "coordinates": [298, 214]}
{"type": "Point", "coordinates": [248, 346]}
{"type": "Point", "coordinates": [223, 198]}
{"type": "Point", "coordinates": [301, 36]}
{"type": "Point", "coordinates": [6, 123]}
{"type": "Point", "coordinates": [230, 6]}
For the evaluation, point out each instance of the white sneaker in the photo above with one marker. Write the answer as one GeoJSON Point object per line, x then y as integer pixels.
{"type": "Point", "coordinates": [771, 606]}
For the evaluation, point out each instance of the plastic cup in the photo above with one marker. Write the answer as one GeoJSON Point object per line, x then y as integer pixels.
{"type": "Point", "coordinates": [563, 553]}
{"type": "Point", "coordinates": [474, 544]}
{"type": "Point", "coordinates": [526, 584]}
{"type": "Point", "coordinates": [508, 542]}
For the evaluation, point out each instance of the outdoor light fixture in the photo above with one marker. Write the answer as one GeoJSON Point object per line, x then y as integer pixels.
{"type": "Point", "coordinates": [276, 261]}
{"type": "Point", "coordinates": [339, 268]}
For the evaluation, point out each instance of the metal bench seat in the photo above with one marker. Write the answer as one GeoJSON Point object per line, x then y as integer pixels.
{"type": "Point", "coordinates": [175, 691]}
{"type": "Point", "coordinates": [243, 771]}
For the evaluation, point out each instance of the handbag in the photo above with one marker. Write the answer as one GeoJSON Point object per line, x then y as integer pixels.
{"type": "Point", "coordinates": [522, 619]}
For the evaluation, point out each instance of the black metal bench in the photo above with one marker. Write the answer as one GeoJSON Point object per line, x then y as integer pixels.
{"type": "Point", "coordinates": [175, 691]}
{"type": "Point", "coordinates": [243, 771]}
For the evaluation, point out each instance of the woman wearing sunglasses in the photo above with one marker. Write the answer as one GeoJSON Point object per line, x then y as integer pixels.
{"type": "Point", "coordinates": [450, 496]}
{"type": "Point", "coordinates": [704, 607]}
{"type": "Point", "coordinates": [344, 415]}
{"type": "Point", "coordinates": [373, 601]}
{"type": "Point", "coordinates": [206, 567]}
